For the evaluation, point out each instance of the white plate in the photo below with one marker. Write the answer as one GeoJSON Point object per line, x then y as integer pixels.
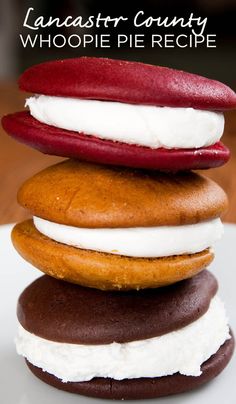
{"type": "Point", "coordinates": [19, 386]}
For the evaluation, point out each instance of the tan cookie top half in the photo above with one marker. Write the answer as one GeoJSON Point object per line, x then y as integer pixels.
{"type": "Point", "coordinates": [96, 196]}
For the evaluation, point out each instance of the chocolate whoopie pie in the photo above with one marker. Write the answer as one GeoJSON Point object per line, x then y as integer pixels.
{"type": "Point", "coordinates": [108, 228]}
{"type": "Point", "coordinates": [143, 116]}
{"type": "Point", "coordinates": [124, 345]}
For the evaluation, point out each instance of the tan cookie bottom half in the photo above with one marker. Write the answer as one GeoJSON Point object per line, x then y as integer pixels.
{"type": "Point", "coordinates": [102, 270]}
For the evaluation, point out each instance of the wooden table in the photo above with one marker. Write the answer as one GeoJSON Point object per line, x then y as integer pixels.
{"type": "Point", "coordinates": [18, 162]}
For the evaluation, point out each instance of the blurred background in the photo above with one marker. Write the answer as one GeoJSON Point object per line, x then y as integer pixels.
{"type": "Point", "coordinates": [17, 161]}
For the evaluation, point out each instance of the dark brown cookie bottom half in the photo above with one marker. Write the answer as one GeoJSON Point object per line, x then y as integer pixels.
{"type": "Point", "coordinates": [143, 388]}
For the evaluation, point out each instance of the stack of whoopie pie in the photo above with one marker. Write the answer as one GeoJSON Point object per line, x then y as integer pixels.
{"type": "Point", "coordinates": [123, 230]}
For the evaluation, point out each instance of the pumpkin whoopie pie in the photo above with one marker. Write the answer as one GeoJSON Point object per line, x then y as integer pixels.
{"type": "Point", "coordinates": [124, 345]}
{"type": "Point", "coordinates": [111, 228]}
{"type": "Point", "coordinates": [143, 116]}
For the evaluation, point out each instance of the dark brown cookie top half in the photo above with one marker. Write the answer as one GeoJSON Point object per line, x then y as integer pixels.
{"type": "Point", "coordinates": [96, 196]}
{"type": "Point", "coordinates": [64, 312]}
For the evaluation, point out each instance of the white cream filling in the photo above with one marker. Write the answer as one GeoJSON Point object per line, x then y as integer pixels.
{"type": "Point", "coordinates": [180, 351]}
{"type": "Point", "coordinates": [149, 242]}
{"type": "Point", "coordinates": [142, 125]}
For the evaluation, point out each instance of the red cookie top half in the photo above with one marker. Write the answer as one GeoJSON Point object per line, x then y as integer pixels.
{"type": "Point", "coordinates": [128, 82]}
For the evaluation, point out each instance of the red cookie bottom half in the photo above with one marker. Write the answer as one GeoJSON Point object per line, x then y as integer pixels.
{"type": "Point", "coordinates": [142, 388]}
{"type": "Point", "coordinates": [60, 142]}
